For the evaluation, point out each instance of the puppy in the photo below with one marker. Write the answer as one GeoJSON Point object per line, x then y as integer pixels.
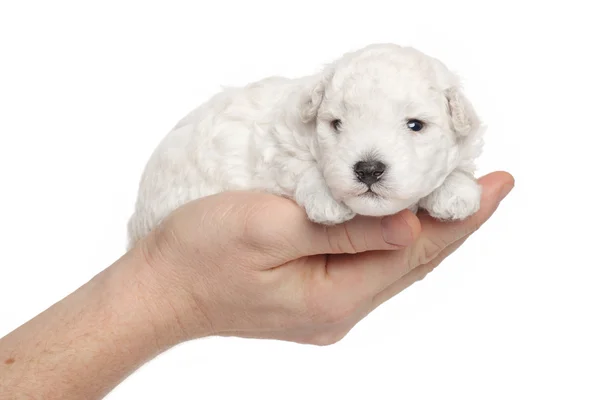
{"type": "Point", "coordinates": [379, 130]}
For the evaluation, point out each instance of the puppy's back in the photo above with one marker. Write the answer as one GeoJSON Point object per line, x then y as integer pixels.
{"type": "Point", "coordinates": [210, 150]}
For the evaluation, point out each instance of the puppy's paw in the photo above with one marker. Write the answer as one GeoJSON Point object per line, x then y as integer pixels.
{"type": "Point", "coordinates": [326, 211]}
{"type": "Point", "coordinates": [454, 201]}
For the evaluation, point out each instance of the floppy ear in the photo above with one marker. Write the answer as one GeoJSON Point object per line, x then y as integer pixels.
{"type": "Point", "coordinates": [463, 118]}
{"type": "Point", "coordinates": [312, 95]}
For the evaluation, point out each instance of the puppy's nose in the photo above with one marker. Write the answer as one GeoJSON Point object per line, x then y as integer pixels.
{"type": "Point", "coordinates": [369, 172]}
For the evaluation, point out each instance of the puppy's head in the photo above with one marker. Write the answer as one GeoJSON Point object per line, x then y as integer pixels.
{"type": "Point", "coordinates": [390, 122]}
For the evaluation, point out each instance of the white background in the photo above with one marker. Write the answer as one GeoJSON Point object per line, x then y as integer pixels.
{"type": "Point", "coordinates": [87, 89]}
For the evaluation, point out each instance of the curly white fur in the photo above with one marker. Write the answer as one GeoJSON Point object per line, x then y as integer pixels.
{"type": "Point", "coordinates": [277, 135]}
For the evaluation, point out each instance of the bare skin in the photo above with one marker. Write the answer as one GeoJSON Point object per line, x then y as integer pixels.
{"type": "Point", "coordinates": [234, 264]}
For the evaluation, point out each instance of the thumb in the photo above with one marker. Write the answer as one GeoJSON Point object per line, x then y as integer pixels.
{"type": "Point", "coordinates": [355, 236]}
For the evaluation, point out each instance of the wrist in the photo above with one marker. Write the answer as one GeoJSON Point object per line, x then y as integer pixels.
{"type": "Point", "coordinates": [85, 344]}
{"type": "Point", "coordinates": [162, 295]}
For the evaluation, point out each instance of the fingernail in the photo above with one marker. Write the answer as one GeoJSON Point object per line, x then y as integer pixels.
{"type": "Point", "coordinates": [506, 189]}
{"type": "Point", "coordinates": [396, 231]}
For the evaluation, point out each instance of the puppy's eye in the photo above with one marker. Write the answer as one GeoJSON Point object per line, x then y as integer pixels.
{"type": "Point", "coordinates": [336, 124]}
{"type": "Point", "coordinates": [415, 125]}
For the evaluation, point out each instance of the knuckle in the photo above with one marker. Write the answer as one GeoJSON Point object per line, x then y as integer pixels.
{"type": "Point", "coordinates": [350, 244]}
{"type": "Point", "coordinates": [427, 249]}
{"type": "Point", "coordinates": [340, 239]}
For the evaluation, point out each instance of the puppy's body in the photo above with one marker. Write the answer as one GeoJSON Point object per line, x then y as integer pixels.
{"type": "Point", "coordinates": [338, 143]}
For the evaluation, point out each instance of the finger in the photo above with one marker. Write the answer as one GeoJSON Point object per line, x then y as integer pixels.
{"type": "Point", "coordinates": [415, 274]}
{"type": "Point", "coordinates": [299, 237]}
{"type": "Point", "coordinates": [438, 234]}
{"type": "Point", "coordinates": [371, 272]}
{"type": "Point", "coordinates": [302, 237]}
{"type": "Point", "coordinates": [361, 234]}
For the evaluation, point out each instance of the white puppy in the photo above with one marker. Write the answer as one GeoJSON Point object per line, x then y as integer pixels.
{"type": "Point", "coordinates": [379, 130]}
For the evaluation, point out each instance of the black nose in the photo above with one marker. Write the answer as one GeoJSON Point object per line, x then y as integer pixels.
{"type": "Point", "coordinates": [369, 172]}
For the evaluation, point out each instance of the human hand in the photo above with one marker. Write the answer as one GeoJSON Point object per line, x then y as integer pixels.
{"type": "Point", "coordinates": [252, 265]}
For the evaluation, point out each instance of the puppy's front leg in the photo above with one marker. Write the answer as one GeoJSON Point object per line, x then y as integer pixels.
{"type": "Point", "coordinates": [313, 194]}
{"type": "Point", "coordinates": [456, 199]}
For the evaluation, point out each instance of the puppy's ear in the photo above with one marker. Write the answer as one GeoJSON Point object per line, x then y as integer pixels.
{"type": "Point", "coordinates": [312, 95]}
{"type": "Point", "coordinates": [463, 118]}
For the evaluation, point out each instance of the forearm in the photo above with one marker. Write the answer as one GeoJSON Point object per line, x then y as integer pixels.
{"type": "Point", "coordinates": [84, 345]}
